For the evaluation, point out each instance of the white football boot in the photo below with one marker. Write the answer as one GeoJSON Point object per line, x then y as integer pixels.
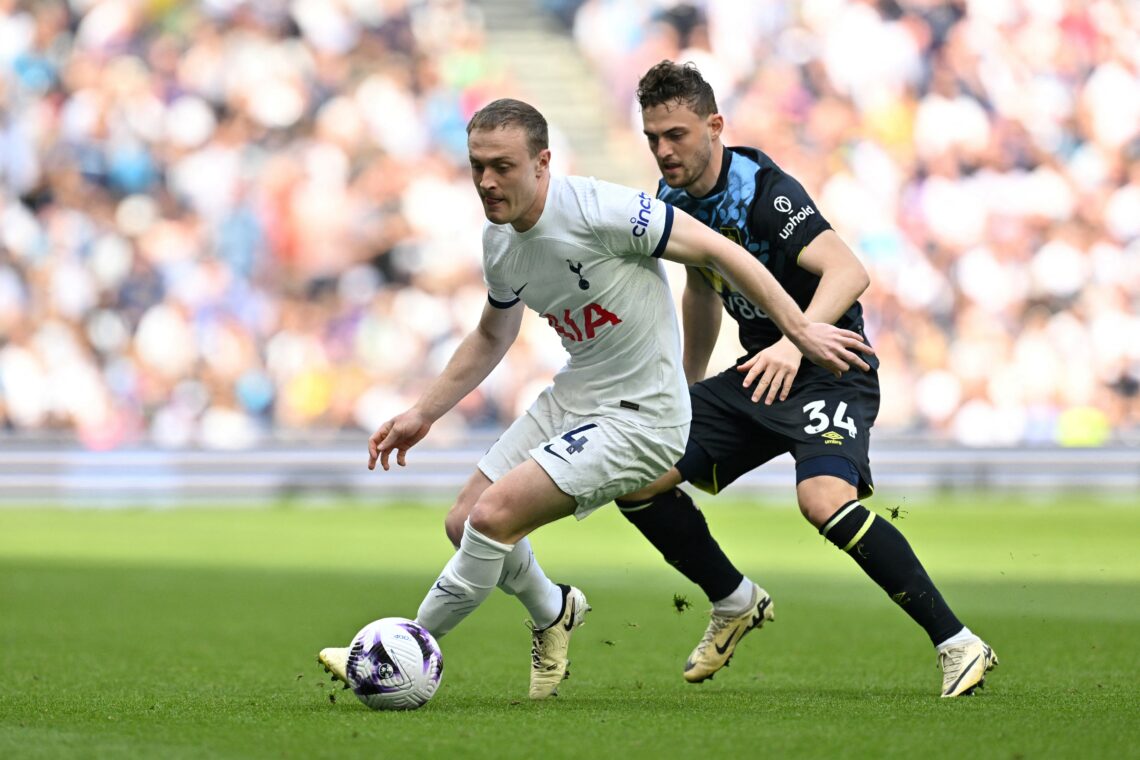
{"type": "Point", "coordinates": [723, 634]}
{"type": "Point", "coordinates": [964, 667]}
{"type": "Point", "coordinates": [335, 661]}
{"type": "Point", "coordinates": [549, 659]}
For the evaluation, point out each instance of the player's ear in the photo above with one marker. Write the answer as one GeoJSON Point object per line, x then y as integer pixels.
{"type": "Point", "coordinates": [715, 123]}
{"type": "Point", "coordinates": [543, 162]}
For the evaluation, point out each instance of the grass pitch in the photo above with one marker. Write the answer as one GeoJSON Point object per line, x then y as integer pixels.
{"type": "Point", "coordinates": [193, 633]}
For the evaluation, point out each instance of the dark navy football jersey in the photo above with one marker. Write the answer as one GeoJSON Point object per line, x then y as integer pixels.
{"type": "Point", "coordinates": [767, 212]}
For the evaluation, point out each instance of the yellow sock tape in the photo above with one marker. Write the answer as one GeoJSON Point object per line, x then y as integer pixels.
{"type": "Point", "coordinates": [862, 532]}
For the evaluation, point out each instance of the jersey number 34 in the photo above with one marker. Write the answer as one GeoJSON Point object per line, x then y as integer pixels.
{"type": "Point", "coordinates": [816, 411]}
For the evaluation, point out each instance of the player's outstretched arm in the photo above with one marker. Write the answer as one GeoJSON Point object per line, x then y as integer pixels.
{"type": "Point", "coordinates": [842, 277]}
{"type": "Point", "coordinates": [693, 244]}
{"type": "Point", "coordinates": [478, 354]}
{"type": "Point", "coordinates": [842, 280]}
{"type": "Point", "coordinates": [701, 314]}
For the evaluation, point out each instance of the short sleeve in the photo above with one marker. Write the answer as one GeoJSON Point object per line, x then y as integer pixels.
{"type": "Point", "coordinates": [787, 217]}
{"type": "Point", "coordinates": [629, 222]}
{"type": "Point", "coordinates": [500, 294]}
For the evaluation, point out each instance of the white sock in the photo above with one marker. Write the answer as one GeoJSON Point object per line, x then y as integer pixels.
{"type": "Point", "coordinates": [963, 636]}
{"type": "Point", "coordinates": [467, 579]}
{"type": "Point", "coordinates": [736, 603]}
{"type": "Point", "coordinates": [523, 577]}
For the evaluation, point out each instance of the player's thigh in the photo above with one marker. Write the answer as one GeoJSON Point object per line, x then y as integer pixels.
{"type": "Point", "coordinates": [725, 439]}
{"type": "Point", "coordinates": [522, 500]}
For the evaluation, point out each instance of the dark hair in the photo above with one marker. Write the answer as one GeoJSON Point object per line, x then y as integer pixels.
{"type": "Point", "coordinates": [668, 81]}
{"type": "Point", "coordinates": [507, 112]}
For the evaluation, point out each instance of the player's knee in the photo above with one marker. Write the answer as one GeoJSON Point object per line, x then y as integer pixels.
{"type": "Point", "coordinates": [816, 511]}
{"type": "Point", "coordinates": [820, 497]}
{"type": "Point", "coordinates": [494, 519]}
{"type": "Point", "coordinates": [823, 485]}
{"type": "Point", "coordinates": [817, 505]}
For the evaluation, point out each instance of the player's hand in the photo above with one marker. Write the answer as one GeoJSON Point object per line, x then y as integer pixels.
{"type": "Point", "coordinates": [776, 366]}
{"type": "Point", "coordinates": [400, 433]}
{"type": "Point", "coordinates": [834, 349]}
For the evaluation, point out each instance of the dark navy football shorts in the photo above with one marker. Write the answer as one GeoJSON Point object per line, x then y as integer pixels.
{"type": "Point", "coordinates": [824, 417]}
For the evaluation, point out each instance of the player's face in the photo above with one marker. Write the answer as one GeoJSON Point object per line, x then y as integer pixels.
{"type": "Point", "coordinates": [682, 142]}
{"type": "Point", "coordinates": [507, 177]}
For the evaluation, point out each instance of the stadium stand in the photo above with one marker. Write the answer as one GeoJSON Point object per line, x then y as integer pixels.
{"type": "Point", "coordinates": [226, 222]}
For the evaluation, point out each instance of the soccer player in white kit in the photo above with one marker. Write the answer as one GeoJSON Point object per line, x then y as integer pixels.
{"type": "Point", "coordinates": [583, 254]}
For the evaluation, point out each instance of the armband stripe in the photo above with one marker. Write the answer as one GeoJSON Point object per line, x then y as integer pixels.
{"type": "Point", "coordinates": [501, 304]}
{"type": "Point", "coordinates": [660, 249]}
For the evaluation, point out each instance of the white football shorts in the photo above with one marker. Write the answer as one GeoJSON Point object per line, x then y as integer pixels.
{"type": "Point", "coordinates": [594, 458]}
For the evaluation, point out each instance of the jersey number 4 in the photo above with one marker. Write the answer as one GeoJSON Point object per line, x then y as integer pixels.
{"type": "Point", "coordinates": [576, 444]}
{"type": "Point", "coordinates": [820, 421]}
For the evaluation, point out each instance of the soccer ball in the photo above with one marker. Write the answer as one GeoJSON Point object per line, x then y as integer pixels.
{"type": "Point", "coordinates": [394, 664]}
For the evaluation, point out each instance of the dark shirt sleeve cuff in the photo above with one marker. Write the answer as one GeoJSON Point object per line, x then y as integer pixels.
{"type": "Point", "coordinates": [664, 241]}
{"type": "Point", "coordinates": [501, 304]}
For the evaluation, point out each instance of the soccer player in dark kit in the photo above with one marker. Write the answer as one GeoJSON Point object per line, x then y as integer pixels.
{"type": "Point", "coordinates": [772, 402]}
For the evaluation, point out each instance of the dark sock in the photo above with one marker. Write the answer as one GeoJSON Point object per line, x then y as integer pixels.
{"type": "Point", "coordinates": [885, 556]}
{"type": "Point", "coordinates": [674, 524]}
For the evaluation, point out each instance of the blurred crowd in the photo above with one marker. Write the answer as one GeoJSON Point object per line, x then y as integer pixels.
{"type": "Point", "coordinates": [226, 220]}
{"type": "Point", "coordinates": [982, 157]}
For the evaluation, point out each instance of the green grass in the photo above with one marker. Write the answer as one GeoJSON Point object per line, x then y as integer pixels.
{"type": "Point", "coordinates": [192, 633]}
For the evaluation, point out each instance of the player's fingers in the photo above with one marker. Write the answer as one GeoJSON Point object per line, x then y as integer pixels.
{"type": "Point", "coordinates": [401, 455]}
{"type": "Point", "coordinates": [786, 385]}
{"type": "Point", "coordinates": [838, 366]}
{"type": "Point", "coordinates": [765, 382]}
{"type": "Point", "coordinates": [391, 442]}
{"type": "Point", "coordinates": [373, 452]}
{"type": "Point", "coordinates": [854, 340]}
{"type": "Point", "coordinates": [857, 361]}
{"type": "Point", "coordinates": [754, 371]}
{"type": "Point", "coordinates": [846, 354]}
{"type": "Point", "coordinates": [778, 388]}
{"type": "Point", "coordinates": [747, 364]}
{"type": "Point", "coordinates": [374, 442]}
{"type": "Point", "coordinates": [774, 386]}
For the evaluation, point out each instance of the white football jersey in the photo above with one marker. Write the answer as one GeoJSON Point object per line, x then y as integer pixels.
{"type": "Point", "coordinates": [590, 267]}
